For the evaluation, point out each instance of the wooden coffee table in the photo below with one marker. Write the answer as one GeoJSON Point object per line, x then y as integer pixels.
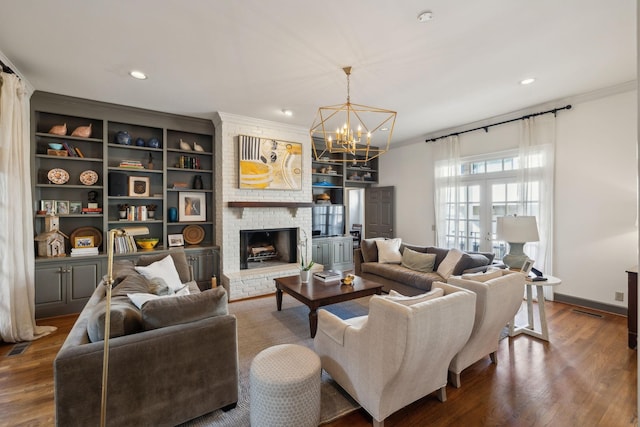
{"type": "Point", "coordinates": [317, 293]}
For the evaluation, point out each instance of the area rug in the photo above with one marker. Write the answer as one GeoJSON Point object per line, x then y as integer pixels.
{"type": "Point", "coordinates": [260, 325]}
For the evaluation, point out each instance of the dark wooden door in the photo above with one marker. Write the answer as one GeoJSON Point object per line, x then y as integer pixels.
{"type": "Point", "coordinates": [379, 212]}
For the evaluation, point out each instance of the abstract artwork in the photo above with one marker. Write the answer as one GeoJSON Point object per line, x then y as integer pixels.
{"type": "Point", "coordinates": [270, 164]}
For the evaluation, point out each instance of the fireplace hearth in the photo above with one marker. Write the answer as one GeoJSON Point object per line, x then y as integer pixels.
{"type": "Point", "coordinates": [267, 247]}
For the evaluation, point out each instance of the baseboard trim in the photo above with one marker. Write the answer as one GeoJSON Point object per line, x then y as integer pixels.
{"type": "Point", "coordinates": [609, 308]}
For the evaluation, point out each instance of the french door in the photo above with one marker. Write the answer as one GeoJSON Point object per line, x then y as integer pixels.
{"type": "Point", "coordinates": [471, 222]}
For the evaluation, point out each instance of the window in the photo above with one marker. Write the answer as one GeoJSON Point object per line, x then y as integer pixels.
{"type": "Point", "coordinates": [488, 188]}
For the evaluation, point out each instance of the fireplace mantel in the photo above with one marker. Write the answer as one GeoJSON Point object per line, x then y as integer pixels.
{"type": "Point", "coordinates": [293, 206]}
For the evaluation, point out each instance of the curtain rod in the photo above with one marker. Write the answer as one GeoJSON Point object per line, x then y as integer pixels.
{"type": "Point", "coordinates": [5, 68]}
{"type": "Point", "coordinates": [486, 128]}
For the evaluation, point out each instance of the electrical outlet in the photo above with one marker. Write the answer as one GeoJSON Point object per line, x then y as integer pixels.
{"type": "Point", "coordinates": [619, 296]}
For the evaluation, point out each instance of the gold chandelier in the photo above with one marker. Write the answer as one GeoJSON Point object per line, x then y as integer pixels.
{"type": "Point", "coordinates": [335, 124]}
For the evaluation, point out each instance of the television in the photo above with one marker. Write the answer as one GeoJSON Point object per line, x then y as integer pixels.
{"type": "Point", "coordinates": [327, 220]}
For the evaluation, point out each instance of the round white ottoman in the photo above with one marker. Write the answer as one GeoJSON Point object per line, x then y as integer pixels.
{"type": "Point", "coordinates": [285, 387]}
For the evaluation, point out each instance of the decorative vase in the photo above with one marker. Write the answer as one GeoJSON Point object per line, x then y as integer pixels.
{"type": "Point", "coordinates": [151, 214]}
{"type": "Point", "coordinates": [153, 143]}
{"type": "Point", "coordinates": [140, 142]}
{"type": "Point", "coordinates": [173, 214]}
{"type": "Point", "coordinates": [123, 138]}
{"type": "Point", "coordinates": [197, 182]}
{"type": "Point", "coordinates": [123, 214]}
{"type": "Point", "coordinates": [304, 276]}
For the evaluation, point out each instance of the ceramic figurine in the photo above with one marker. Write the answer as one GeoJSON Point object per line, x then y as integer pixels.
{"type": "Point", "coordinates": [82, 131]}
{"type": "Point", "coordinates": [184, 145]}
{"type": "Point", "coordinates": [59, 129]}
{"type": "Point", "coordinates": [140, 142]}
{"type": "Point", "coordinates": [197, 147]}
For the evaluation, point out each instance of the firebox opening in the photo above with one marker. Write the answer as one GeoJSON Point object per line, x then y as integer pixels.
{"type": "Point", "coordinates": [269, 247]}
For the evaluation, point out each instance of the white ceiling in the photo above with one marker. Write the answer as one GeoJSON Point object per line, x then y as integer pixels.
{"type": "Point", "coordinates": [257, 57]}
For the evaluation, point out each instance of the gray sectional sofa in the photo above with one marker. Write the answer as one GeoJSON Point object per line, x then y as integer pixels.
{"type": "Point", "coordinates": [171, 361]}
{"type": "Point", "coordinates": [412, 275]}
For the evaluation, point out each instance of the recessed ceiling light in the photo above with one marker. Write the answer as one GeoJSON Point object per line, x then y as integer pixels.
{"type": "Point", "coordinates": [527, 81]}
{"type": "Point", "coordinates": [138, 75]}
{"type": "Point", "coordinates": [287, 113]}
{"type": "Point", "coordinates": [384, 129]}
{"type": "Point", "coordinates": [425, 16]}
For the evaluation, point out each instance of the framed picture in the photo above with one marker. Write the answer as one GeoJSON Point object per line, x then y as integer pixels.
{"type": "Point", "coordinates": [83, 242]}
{"type": "Point", "coordinates": [526, 267]}
{"type": "Point", "coordinates": [176, 240]}
{"type": "Point", "coordinates": [192, 207]}
{"type": "Point", "coordinates": [138, 186]}
{"type": "Point", "coordinates": [269, 164]}
{"type": "Point", "coordinates": [62, 207]}
{"type": "Point", "coordinates": [49, 206]}
{"type": "Point", "coordinates": [75, 208]}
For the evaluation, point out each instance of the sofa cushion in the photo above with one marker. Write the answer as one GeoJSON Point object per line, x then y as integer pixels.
{"type": "Point", "coordinates": [163, 312]}
{"type": "Point", "coordinates": [389, 251]}
{"type": "Point", "coordinates": [125, 319]}
{"type": "Point", "coordinates": [448, 264]}
{"type": "Point", "coordinates": [469, 260]}
{"type": "Point", "coordinates": [405, 300]}
{"type": "Point", "coordinates": [369, 249]}
{"type": "Point", "coordinates": [401, 274]}
{"type": "Point", "coordinates": [418, 261]}
{"type": "Point", "coordinates": [440, 254]}
{"type": "Point", "coordinates": [179, 261]}
{"type": "Point", "coordinates": [139, 299]}
{"type": "Point", "coordinates": [165, 269]}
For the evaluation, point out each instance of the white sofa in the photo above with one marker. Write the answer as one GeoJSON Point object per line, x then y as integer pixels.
{"type": "Point", "coordinates": [398, 353]}
{"type": "Point", "coordinates": [498, 299]}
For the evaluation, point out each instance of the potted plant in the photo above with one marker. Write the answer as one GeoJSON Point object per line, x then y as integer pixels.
{"type": "Point", "coordinates": [305, 268]}
{"type": "Point", "coordinates": [122, 210]}
{"type": "Point", "coordinates": [151, 211]}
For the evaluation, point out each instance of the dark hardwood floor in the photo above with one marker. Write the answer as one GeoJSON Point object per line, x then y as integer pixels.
{"type": "Point", "coordinates": [586, 376]}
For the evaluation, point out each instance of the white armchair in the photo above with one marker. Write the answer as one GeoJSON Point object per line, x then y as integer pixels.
{"type": "Point", "coordinates": [498, 300]}
{"type": "Point", "coordinates": [398, 353]}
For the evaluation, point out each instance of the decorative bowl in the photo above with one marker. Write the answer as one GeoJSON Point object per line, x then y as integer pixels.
{"type": "Point", "coordinates": [55, 146]}
{"type": "Point", "coordinates": [148, 242]}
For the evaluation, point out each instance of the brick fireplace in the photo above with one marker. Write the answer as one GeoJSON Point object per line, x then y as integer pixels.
{"type": "Point", "coordinates": [269, 210]}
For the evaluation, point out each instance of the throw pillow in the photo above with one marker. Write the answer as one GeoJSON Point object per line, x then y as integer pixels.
{"type": "Point", "coordinates": [389, 251]}
{"type": "Point", "coordinates": [164, 269]}
{"type": "Point", "coordinates": [418, 261]}
{"type": "Point", "coordinates": [369, 249]}
{"type": "Point", "coordinates": [483, 277]}
{"type": "Point", "coordinates": [179, 261]}
{"type": "Point", "coordinates": [404, 300]}
{"type": "Point", "coordinates": [124, 320]}
{"type": "Point", "coordinates": [448, 264]}
{"type": "Point", "coordinates": [158, 286]}
{"type": "Point", "coordinates": [162, 312]}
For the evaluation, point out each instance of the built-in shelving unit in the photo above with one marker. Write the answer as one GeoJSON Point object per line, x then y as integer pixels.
{"type": "Point", "coordinates": [166, 168]}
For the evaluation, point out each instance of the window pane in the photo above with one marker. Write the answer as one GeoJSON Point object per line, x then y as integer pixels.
{"type": "Point", "coordinates": [512, 192]}
{"type": "Point", "coordinates": [474, 193]}
{"type": "Point", "coordinates": [508, 164]}
{"type": "Point", "coordinates": [499, 210]}
{"type": "Point", "coordinates": [494, 165]}
{"type": "Point", "coordinates": [474, 211]}
{"type": "Point", "coordinates": [477, 167]}
{"type": "Point", "coordinates": [512, 209]}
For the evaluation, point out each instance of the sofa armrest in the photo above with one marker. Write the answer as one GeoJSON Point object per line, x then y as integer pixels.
{"type": "Point", "coordinates": [195, 364]}
{"type": "Point", "coordinates": [480, 269]}
{"type": "Point", "coordinates": [357, 261]}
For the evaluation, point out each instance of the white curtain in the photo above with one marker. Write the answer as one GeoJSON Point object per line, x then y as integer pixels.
{"type": "Point", "coordinates": [446, 155]}
{"type": "Point", "coordinates": [537, 164]}
{"type": "Point", "coordinates": [17, 299]}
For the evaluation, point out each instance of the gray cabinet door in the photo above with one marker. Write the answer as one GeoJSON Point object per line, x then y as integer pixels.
{"type": "Point", "coordinates": [83, 280]}
{"type": "Point", "coordinates": [50, 284]}
{"type": "Point", "coordinates": [321, 251]}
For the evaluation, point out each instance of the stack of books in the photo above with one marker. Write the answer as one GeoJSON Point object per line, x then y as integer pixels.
{"type": "Point", "coordinates": [131, 164]}
{"type": "Point", "coordinates": [327, 276]}
{"type": "Point", "coordinates": [91, 211]}
{"type": "Point", "coordinates": [84, 251]}
{"type": "Point", "coordinates": [125, 244]}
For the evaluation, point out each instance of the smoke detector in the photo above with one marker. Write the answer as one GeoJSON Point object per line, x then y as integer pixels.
{"type": "Point", "coordinates": [425, 16]}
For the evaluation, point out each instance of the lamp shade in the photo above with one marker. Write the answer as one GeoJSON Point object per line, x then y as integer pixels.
{"type": "Point", "coordinates": [517, 229]}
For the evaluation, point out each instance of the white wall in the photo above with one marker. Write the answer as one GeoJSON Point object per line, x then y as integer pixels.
{"type": "Point", "coordinates": [596, 196]}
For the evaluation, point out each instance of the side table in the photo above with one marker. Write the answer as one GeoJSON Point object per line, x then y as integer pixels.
{"type": "Point", "coordinates": [529, 329]}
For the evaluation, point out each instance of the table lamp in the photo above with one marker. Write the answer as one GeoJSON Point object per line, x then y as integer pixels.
{"type": "Point", "coordinates": [125, 231]}
{"type": "Point", "coordinates": [516, 230]}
